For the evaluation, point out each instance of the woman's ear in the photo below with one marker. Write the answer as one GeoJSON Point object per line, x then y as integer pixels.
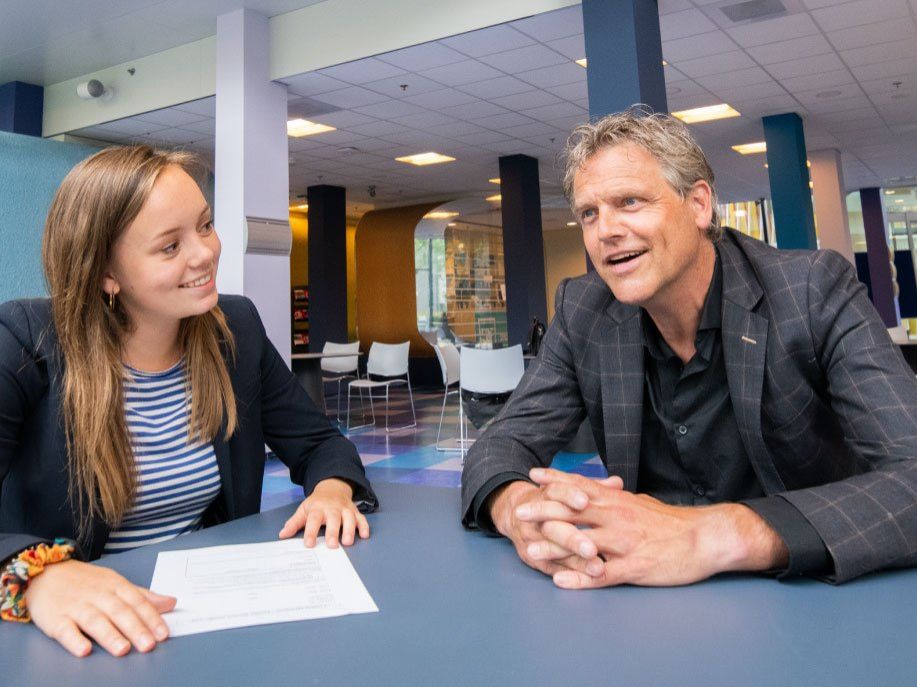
{"type": "Point", "coordinates": [110, 284]}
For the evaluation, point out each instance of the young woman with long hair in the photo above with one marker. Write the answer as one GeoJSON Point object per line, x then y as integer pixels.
{"type": "Point", "coordinates": [135, 404]}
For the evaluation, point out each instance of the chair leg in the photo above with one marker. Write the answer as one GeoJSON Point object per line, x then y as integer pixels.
{"type": "Point", "coordinates": [413, 413]}
{"type": "Point", "coordinates": [439, 432]}
{"type": "Point", "coordinates": [365, 424]}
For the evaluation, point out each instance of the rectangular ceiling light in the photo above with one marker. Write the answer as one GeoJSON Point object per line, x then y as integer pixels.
{"type": "Point", "coordinates": [751, 148]}
{"type": "Point", "coordinates": [496, 198]}
{"type": "Point", "coordinates": [495, 180]}
{"type": "Point", "coordinates": [421, 159]}
{"type": "Point", "coordinates": [706, 114]}
{"type": "Point", "coordinates": [303, 127]}
{"type": "Point", "coordinates": [301, 207]}
{"type": "Point", "coordinates": [440, 214]}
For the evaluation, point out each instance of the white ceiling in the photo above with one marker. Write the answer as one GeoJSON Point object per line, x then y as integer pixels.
{"type": "Point", "coordinates": [849, 68]}
{"type": "Point", "coordinates": [48, 41]}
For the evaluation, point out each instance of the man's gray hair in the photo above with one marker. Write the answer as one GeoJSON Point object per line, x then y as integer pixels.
{"type": "Point", "coordinates": [666, 138]}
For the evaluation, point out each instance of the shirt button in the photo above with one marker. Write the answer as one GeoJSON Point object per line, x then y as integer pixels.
{"type": "Point", "coordinates": [682, 430]}
{"type": "Point", "coordinates": [700, 491]}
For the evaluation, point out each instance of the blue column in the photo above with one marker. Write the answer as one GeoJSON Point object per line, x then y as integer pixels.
{"type": "Point", "coordinates": [523, 245]}
{"type": "Point", "coordinates": [327, 266]}
{"type": "Point", "coordinates": [624, 53]}
{"type": "Point", "coordinates": [21, 108]}
{"type": "Point", "coordinates": [794, 220]}
{"type": "Point", "coordinates": [880, 271]}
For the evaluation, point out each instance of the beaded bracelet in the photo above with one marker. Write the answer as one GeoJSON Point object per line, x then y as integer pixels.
{"type": "Point", "coordinates": [14, 579]}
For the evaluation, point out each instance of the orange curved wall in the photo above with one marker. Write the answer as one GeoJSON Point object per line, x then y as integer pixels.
{"type": "Point", "coordinates": [386, 288]}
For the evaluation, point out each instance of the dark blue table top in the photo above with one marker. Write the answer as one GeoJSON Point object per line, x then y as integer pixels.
{"type": "Point", "coordinates": [458, 608]}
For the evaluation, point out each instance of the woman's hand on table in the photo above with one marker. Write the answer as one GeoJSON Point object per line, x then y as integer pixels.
{"type": "Point", "coordinates": [330, 504]}
{"type": "Point", "coordinates": [73, 602]}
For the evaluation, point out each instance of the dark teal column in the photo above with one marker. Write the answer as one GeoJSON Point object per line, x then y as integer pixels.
{"type": "Point", "coordinates": [624, 55]}
{"type": "Point", "coordinates": [327, 266]}
{"type": "Point", "coordinates": [794, 220]}
{"type": "Point", "coordinates": [21, 108]}
{"type": "Point", "coordinates": [523, 245]}
{"type": "Point", "coordinates": [880, 270]}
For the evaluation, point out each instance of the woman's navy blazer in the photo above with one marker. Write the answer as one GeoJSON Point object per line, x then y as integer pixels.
{"type": "Point", "coordinates": [273, 409]}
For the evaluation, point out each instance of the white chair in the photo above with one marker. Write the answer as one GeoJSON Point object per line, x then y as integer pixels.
{"type": "Point", "coordinates": [486, 371]}
{"type": "Point", "coordinates": [391, 362]}
{"type": "Point", "coordinates": [449, 364]}
{"type": "Point", "coordinates": [338, 369]}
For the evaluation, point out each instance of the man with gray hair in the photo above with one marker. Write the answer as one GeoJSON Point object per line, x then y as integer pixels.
{"type": "Point", "coordinates": [747, 402]}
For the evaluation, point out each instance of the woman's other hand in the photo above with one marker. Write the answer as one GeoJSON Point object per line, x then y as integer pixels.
{"type": "Point", "coordinates": [330, 504]}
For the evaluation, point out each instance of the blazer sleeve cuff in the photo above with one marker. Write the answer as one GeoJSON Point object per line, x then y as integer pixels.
{"type": "Point", "coordinates": [337, 458]}
{"type": "Point", "coordinates": [478, 517]}
{"type": "Point", "coordinates": [808, 553]}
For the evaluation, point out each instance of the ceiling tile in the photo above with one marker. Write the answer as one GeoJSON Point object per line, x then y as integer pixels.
{"type": "Point", "coordinates": [415, 85]}
{"type": "Point", "coordinates": [893, 70]}
{"type": "Point", "coordinates": [388, 109]}
{"type": "Point", "coordinates": [535, 129]}
{"type": "Point", "coordinates": [884, 52]}
{"type": "Point", "coordinates": [487, 41]}
{"type": "Point", "coordinates": [739, 77]}
{"type": "Point", "coordinates": [424, 56]}
{"type": "Point", "coordinates": [482, 138]}
{"type": "Point", "coordinates": [687, 23]}
{"type": "Point", "coordinates": [832, 106]}
{"type": "Point", "coordinates": [547, 113]}
{"type": "Point", "coordinates": [715, 64]}
{"type": "Point", "coordinates": [828, 96]}
{"type": "Point", "coordinates": [313, 83]}
{"type": "Point", "coordinates": [476, 109]}
{"type": "Point", "coordinates": [353, 96]}
{"type": "Point", "coordinates": [207, 126]}
{"type": "Point", "coordinates": [362, 71]}
{"type": "Point", "coordinates": [697, 46]}
{"type": "Point", "coordinates": [423, 120]}
{"type": "Point", "coordinates": [811, 65]}
{"type": "Point", "coordinates": [494, 88]}
{"type": "Point", "coordinates": [572, 47]}
{"type": "Point", "coordinates": [869, 34]}
{"type": "Point", "coordinates": [170, 117]}
{"type": "Point", "coordinates": [442, 99]}
{"type": "Point", "coordinates": [503, 121]}
{"type": "Point", "coordinates": [838, 77]}
{"type": "Point", "coordinates": [793, 49]}
{"type": "Point", "coordinates": [735, 95]}
{"type": "Point", "coordinates": [454, 129]}
{"type": "Point", "coordinates": [558, 75]}
{"type": "Point", "coordinates": [774, 30]}
{"type": "Point", "coordinates": [461, 73]}
{"type": "Point", "coordinates": [343, 119]}
{"type": "Point", "coordinates": [527, 100]}
{"type": "Point", "coordinates": [378, 129]}
{"type": "Point", "coordinates": [859, 12]}
{"type": "Point", "coordinates": [524, 59]}
{"type": "Point", "coordinates": [670, 6]}
{"type": "Point", "coordinates": [573, 92]}
{"type": "Point", "coordinates": [133, 126]}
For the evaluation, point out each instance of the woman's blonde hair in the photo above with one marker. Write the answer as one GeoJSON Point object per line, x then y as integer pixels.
{"type": "Point", "coordinates": [95, 203]}
{"type": "Point", "coordinates": [666, 138]}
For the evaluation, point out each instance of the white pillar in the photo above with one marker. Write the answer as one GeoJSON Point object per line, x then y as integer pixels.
{"type": "Point", "coordinates": [830, 202]}
{"type": "Point", "coordinates": [252, 172]}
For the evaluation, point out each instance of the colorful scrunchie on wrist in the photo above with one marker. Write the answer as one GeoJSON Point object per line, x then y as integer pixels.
{"type": "Point", "coordinates": [14, 579]}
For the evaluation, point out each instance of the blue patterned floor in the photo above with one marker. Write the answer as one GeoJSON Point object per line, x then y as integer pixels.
{"type": "Point", "coordinates": [408, 456]}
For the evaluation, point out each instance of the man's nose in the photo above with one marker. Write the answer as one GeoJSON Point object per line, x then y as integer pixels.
{"type": "Point", "coordinates": [609, 226]}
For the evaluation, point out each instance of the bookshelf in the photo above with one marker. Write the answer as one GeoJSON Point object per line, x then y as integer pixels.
{"type": "Point", "coordinates": [299, 318]}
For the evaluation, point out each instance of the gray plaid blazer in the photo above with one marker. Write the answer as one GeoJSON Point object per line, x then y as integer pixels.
{"type": "Point", "coordinates": [824, 402]}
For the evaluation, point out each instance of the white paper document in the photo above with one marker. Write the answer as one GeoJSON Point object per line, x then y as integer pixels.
{"type": "Point", "coordinates": [221, 587]}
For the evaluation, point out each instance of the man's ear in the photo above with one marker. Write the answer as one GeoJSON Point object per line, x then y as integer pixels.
{"type": "Point", "coordinates": [700, 204]}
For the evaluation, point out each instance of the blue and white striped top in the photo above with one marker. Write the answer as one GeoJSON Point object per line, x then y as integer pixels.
{"type": "Point", "coordinates": [176, 480]}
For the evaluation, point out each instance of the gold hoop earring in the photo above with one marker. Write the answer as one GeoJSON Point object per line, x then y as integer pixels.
{"type": "Point", "coordinates": [111, 300]}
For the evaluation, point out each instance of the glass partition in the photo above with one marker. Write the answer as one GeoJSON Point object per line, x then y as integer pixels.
{"type": "Point", "coordinates": [460, 278]}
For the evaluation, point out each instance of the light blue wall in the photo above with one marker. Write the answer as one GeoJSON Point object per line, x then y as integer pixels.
{"type": "Point", "coordinates": [31, 169]}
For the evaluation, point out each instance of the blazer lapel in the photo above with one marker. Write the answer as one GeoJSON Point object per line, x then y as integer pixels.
{"type": "Point", "coordinates": [622, 391]}
{"type": "Point", "coordinates": [744, 335]}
